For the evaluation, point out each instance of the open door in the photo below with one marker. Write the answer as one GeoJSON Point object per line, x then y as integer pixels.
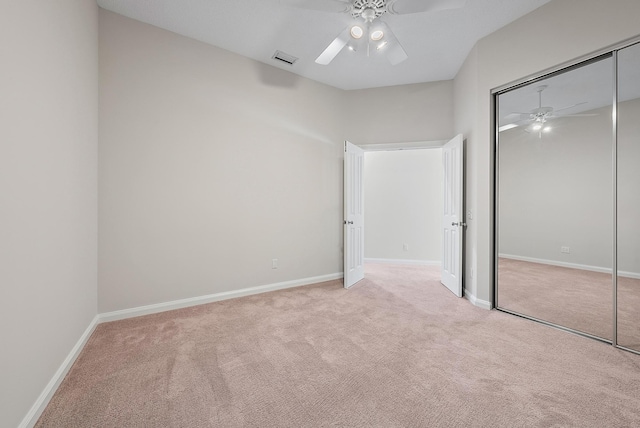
{"type": "Point", "coordinates": [453, 215]}
{"type": "Point", "coordinates": [353, 214]}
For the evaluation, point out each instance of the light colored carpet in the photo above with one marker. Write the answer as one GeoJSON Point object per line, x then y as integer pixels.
{"type": "Point", "coordinates": [396, 350]}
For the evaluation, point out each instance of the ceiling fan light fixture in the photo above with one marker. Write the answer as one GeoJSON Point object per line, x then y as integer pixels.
{"type": "Point", "coordinates": [377, 35]}
{"type": "Point", "coordinates": [356, 32]}
{"type": "Point", "coordinates": [546, 129]}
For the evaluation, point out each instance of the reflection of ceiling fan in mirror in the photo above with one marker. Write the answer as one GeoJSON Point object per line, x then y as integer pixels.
{"type": "Point", "coordinates": [537, 120]}
{"type": "Point", "coordinates": [370, 33]}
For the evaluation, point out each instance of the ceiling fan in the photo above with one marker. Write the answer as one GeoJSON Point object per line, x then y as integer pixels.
{"type": "Point", "coordinates": [370, 32]}
{"type": "Point", "coordinates": [537, 120]}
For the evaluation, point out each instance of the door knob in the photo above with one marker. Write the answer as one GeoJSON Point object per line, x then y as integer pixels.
{"type": "Point", "coordinates": [349, 222]}
{"type": "Point", "coordinates": [459, 224]}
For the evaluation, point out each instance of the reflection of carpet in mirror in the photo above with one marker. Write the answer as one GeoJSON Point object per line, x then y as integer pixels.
{"type": "Point", "coordinates": [629, 312]}
{"type": "Point", "coordinates": [573, 298]}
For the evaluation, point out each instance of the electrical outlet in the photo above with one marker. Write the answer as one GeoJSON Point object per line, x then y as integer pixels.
{"type": "Point", "coordinates": [274, 263]}
{"type": "Point", "coordinates": [564, 250]}
{"type": "Point", "coordinates": [469, 215]}
{"type": "Point", "coordinates": [405, 247]}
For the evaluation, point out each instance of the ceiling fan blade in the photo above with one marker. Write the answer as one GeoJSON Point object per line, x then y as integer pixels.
{"type": "Point", "coordinates": [400, 7]}
{"type": "Point", "coordinates": [568, 107]}
{"type": "Point", "coordinates": [513, 123]}
{"type": "Point", "coordinates": [390, 45]}
{"type": "Point", "coordinates": [396, 53]}
{"type": "Point", "coordinates": [334, 48]}
{"type": "Point", "coordinates": [516, 117]}
{"type": "Point", "coordinates": [575, 115]}
{"type": "Point", "coordinates": [507, 127]}
{"type": "Point", "coordinates": [336, 6]}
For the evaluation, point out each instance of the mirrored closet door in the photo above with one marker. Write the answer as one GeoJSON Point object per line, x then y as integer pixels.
{"type": "Point", "coordinates": [554, 191]}
{"type": "Point", "coordinates": [567, 237]}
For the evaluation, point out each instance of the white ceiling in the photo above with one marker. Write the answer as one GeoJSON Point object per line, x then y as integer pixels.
{"type": "Point", "coordinates": [437, 43]}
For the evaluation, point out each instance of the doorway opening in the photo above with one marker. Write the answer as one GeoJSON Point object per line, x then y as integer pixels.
{"type": "Point", "coordinates": [414, 200]}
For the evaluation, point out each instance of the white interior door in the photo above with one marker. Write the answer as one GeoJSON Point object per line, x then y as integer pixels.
{"type": "Point", "coordinates": [353, 214]}
{"type": "Point", "coordinates": [453, 215]}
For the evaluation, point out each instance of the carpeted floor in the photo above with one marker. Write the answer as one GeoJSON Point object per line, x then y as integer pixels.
{"type": "Point", "coordinates": [396, 350]}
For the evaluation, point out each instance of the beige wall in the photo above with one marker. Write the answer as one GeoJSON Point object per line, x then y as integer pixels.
{"type": "Point", "coordinates": [398, 114]}
{"type": "Point", "coordinates": [212, 165]}
{"type": "Point", "coordinates": [553, 34]}
{"type": "Point", "coordinates": [403, 204]}
{"type": "Point", "coordinates": [48, 183]}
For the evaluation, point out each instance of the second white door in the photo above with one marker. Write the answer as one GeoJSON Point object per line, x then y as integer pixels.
{"type": "Point", "coordinates": [453, 216]}
{"type": "Point", "coordinates": [353, 214]}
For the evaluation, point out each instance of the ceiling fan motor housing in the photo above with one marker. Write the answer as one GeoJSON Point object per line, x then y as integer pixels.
{"type": "Point", "coordinates": [541, 113]}
{"type": "Point", "coordinates": [369, 9]}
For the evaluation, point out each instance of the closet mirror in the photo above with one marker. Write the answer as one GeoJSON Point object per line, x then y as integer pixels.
{"type": "Point", "coordinates": [554, 193]}
{"type": "Point", "coordinates": [628, 198]}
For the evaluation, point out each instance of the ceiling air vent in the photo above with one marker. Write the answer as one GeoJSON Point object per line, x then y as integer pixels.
{"type": "Point", "coordinates": [286, 58]}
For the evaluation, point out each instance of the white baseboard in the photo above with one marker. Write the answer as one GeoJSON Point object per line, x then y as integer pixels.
{"type": "Point", "coordinates": [404, 262]}
{"type": "Point", "coordinates": [41, 403]}
{"type": "Point", "coordinates": [200, 300]}
{"type": "Point", "coordinates": [477, 302]}
{"type": "Point", "coordinates": [632, 275]}
{"type": "Point", "coordinates": [624, 274]}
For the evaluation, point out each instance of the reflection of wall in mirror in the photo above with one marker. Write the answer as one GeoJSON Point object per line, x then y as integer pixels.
{"type": "Point", "coordinates": [556, 191]}
{"type": "Point", "coordinates": [629, 187]}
